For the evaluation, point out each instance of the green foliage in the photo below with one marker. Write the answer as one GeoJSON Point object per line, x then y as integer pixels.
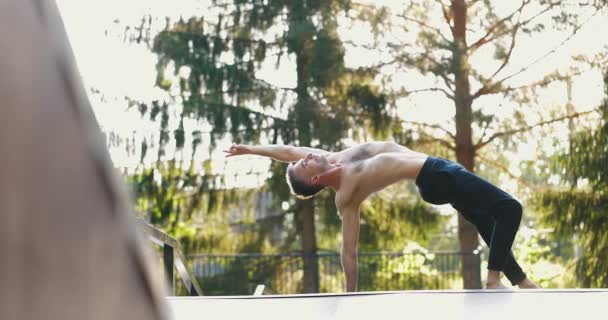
{"type": "Point", "coordinates": [240, 276]}
{"type": "Point", "coordinates": [413, 268]}
{"type": "Point", "coordinates": [222, 91]}
{"type": "Point", "coordinates": [388, 224]}
{"type": "Point", "coordinates": [413, 271]}
{"type": "Point", "coordinates": [547, 257]}
{"type": "Point", "coordinates": [189, 207]}
{"type": "Point", "coordinates": [208, 66]}
{"type": "Point", "coordinates": [441, 52]}
{"type": "Point", "coordinates": [583, 211]}
{"type": "Point", "coordinates": [156, 191]}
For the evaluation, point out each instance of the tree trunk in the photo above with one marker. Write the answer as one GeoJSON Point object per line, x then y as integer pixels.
{"type": "Point", "coordinates": [304, 115]}
{"type": "Point", "coordinates": [309, 246]}
{"type": "Point", "coordinates": [465, 151]}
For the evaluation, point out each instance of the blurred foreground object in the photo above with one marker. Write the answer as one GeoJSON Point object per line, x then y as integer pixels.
{"type": "Point", "coordinates": [69, 248]}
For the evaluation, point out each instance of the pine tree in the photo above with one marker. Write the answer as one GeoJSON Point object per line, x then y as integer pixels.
{"type": "Point", "coordinates": [447, 37]}
{"type": "Point", "coordinates": [581, 209]}
{"type": "Point", "coordinates": [222, 56]}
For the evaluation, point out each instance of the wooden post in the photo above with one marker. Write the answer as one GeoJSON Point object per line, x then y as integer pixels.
{"type": "Point", "coordinates": [70, 249]}
{"type": "Point", "coordinates": [168, 263]}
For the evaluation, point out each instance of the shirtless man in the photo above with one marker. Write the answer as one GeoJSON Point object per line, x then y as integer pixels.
{"type": "Point", "coordinates": [357, 172]}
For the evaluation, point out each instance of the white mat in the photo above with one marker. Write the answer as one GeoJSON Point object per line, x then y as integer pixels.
{"type": "Point", "coordinates": [577, 304]}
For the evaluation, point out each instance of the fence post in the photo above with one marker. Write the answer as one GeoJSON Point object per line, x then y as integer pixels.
{"type": "Point", "coordinates": [478, 254]}
{"type": "Point", "coordinates": [317, 283]}
{"type": "Point", "coordinates": [168, 262]}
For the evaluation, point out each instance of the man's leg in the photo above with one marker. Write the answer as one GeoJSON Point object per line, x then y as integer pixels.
{"type": "Point", "coordinates": [507, 216]}
{"type": "Point", "coordinates": [485, 225]}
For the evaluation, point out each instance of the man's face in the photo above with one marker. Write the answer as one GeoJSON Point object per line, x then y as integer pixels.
{"type": "Point", "coordinates": [311, 165]}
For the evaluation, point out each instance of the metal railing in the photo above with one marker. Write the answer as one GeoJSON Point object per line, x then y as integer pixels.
{"type": "Point", "coordinates": [172, 257]}
{"type": "Point", "coordinates": [236, 274]}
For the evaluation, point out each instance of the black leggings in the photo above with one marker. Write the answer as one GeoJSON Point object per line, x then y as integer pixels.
{"type": "Point", "coordinates": [497, 229]}
{"type": "Point", "coordinates": [495, 213]}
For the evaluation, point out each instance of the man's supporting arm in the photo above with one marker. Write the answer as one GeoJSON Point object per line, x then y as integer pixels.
{"type": "Point", "coordinates": [350, 238]}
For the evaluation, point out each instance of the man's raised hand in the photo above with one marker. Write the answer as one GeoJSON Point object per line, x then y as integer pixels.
{"type": "Point", "coordinates": [237, 150]}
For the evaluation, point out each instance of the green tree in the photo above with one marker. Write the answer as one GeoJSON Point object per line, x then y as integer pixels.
{"type": "Point", "coordinates": [581, 209]}
{"type": "Point", "coordinates": [215, 80]}
{"type": "Point", "coordinates": [174, 199]}
{"type": "Point", "coordinates": [445, 51]}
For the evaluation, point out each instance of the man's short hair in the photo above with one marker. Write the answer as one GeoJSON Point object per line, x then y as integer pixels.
{"type": "Point", "coordinates": [300, 188]}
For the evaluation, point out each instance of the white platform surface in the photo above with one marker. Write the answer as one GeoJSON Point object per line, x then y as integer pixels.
{"type": "Point", "coordinates": [574, 304]}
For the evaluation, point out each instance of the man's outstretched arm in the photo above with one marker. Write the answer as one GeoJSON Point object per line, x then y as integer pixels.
{"type": "Point", "coordinates": [283, 153]}
{"type": "Point", "coordinates": [350, 238]}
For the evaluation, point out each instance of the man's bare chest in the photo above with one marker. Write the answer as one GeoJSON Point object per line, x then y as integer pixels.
{"type": "Point", "coordinates": [350, 191]}
{"type": "Point", "coordinates": [354, 154]}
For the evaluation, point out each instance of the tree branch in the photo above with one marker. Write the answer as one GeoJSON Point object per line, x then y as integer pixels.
{"type": "Point", "coordinates": [270, 85]}
{"type": "Point", "coordinates": [421, 124]}
{"type": "Point", "coordinates": [486, 38]}
{"type": "Point", "coordinates": [485, 88]}
{"type": "Point", "coordinates": [448, 82]}
{"type": "Point", "coordinates": [496, 86]}
{"type": "Point", "coordinates": [508, 172]}
{"type": "Point", "coordinates": [446, 15]}
{"type": "Point", "coordinates": [539, 83]}
{"type": "Point", "coordinates": [398, 58]}
{"type": "Point", "coordinates": [485, 129]}
{"type": "Point", "coordinates": [228, 106]}
{"type": "Point", "coordinates": [364, 46]}
{"type": "Point", "coordinates": [508, 57]}
{"type": "Point", "coordinates": [472, 3]}
{"type": "Point", "coordinates": [527, 128]}
{"type": "Point", "coordinates": [424, 24]}
{"type": "Point", "coordinates": [428, 125]}
{"type": "Point", "coordinates": [235, 39]}
{"type": "Point", "coordinates": [404, 57]}
{"type": "Point", "coordinates": [168, 131]}
{"type": "Point", "coordinates": [236, 92]}
{"type": "Point", "coordinates": [550, 51]}
{"type": "Point", "coordinates": [519, 24]}
{"type": "Point", "coordinates": [442, 142]}
{"type": "Point", "coordinates": [447, 94]}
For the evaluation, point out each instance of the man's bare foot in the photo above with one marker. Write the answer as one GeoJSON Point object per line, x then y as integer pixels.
{"type": "Point", "coordinates": [527, 284]}
{"type": "Point", "coordinates": [496, 286]}
{"type": "Point", "coordinates": [493, 280]}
